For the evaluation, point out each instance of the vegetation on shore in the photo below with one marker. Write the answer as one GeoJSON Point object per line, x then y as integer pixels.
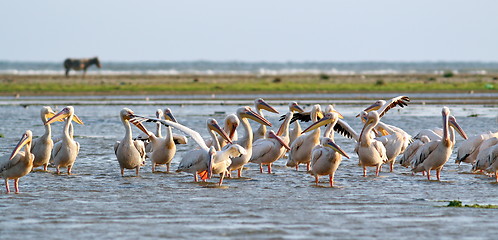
{"type": "Point", "coordinates": [456, 203]}
{"type": "Point", "coordinates": [184, 84]}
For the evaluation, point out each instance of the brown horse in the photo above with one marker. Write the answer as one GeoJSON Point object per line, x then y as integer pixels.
{"type": "Point", "coordinates": [80, 64]}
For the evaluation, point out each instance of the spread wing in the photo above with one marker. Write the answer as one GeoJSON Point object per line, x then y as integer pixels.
{"type": "Point", "coordinates": [345, 130]}
{"type": "Point", "coordinates": [400, 101]}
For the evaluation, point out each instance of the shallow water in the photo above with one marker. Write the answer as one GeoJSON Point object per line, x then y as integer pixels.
{"type": "Point", "coordinates": [96, 202]}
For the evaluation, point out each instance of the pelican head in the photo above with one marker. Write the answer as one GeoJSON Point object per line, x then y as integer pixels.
{"type": "Point", "coordinates": [26, 138]}
{"type": "Point", "coordinates": [261, 104]}
{"type": "Point", "coordinates": [327, 119]}
{"type": "Point", "coordinates": [212, 125]}
{"type": "Point", "coordinates": [328, 142]}
{"type": "Point", "coordinates": [288, 117]}
{"type": "Point", "coordinates": [231, 123]}
{"type": "Point", "coordinates": [247, 112]}
{"type": "Point", "coordinates": [272, 134]}
{"type": "Point", "coordinates": [372, 118]}
{"type": "Point", "coordinates": [126, 114]}
{"type": "Point", "coordinates": [452, 122]}
{"type": "Point", "coordinates": [294, 107]}
{"type": "Point", "coordinates": [64, 113]}
{"type": "Point", "coordinates": [159, 113]}
{"type": "Point", "coordinates": [46, 113]}
{"type": "Point", "coordinates": [168, 115]}
{"type": "Point", "coordinates": [316, 112]}
{"type": "Point", "coordinates": [376, 106]}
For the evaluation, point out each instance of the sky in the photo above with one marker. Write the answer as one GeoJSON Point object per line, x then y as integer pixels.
{"type": "Point", "coordinates": [256, 30]}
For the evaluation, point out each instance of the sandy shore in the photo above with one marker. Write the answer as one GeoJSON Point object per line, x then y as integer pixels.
{"type": "Point", "coordinates": [182, 84]}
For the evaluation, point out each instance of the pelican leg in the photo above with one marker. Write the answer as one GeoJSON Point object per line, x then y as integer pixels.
{"type": "Point", "coordinates": [45, 167]}
{"type": "Point", "coordinates": [16, 185]}
{"type": "Point", "coordinates": [153, 167]}
{"type": "Point", "coordinates": [308, 166]}
{"type": "Point", "coordinates": [69, 170]}
{"type": "Point", "coordinates": [438, 174]}
{"type": "Point", "coordinates": [167, 167]}
{"type": "Point", "coordinates": [7, 185]}
{"type": "Point", "coordinates": [297, 166]}
{"type": "Point", "coordinates": [331, 179]}
{"type": "Point", "coordinates": [377, 170]}
{"type": "Point", "coordinates": [316, 180]}
{"type": "Point", "coordinates": [269, 168]}
{"type": "Point", "coordinates": [122, 172]}
{"type": "Point", "coordinates": [58, 171]}
{"type": "Point", "coordinates": [428, 175]}
{"type": "Point", "coordinates": [222, 175]}
{"type": "Point", "coordinates": [261, 168]}
{"type": "Point", "coordinates": [364, 171]}
{"type": "Point", "coordinates": [391, 166]}
{"type": "Point", "coordinates": [239, 172]}
{"type": "Point", "coordinates": [136, 170]}
{"type": "Point", "coordinates": [196, 179]}
{"type": "Point", "coordinates": [496, 176]}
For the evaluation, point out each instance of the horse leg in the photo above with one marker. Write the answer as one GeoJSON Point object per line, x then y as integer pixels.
{"type": "Point", "coordinates": [67, 72]}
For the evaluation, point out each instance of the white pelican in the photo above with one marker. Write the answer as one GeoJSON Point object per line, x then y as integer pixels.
{"type": "Point", "coordinates": [485, 149]}
{"type": "Point", "coordinates": [468, 150]}
{"type": "Point", "coordinates": [371, 153]}
{"type": "Point", "coordinates": [19, 163]}
{"type": "Point", "coordinates": [326, 157]}
{"type": "Point", "coordinates": [493, 162]}
{"type": "Point", "coordinates": [283, 130]}
{"type": "Point", "coordinates": [230, 126]}
{"type": "Point", "coordinates": [130, 153]}
{"type": "Point", "coordinates": [244, 114]}
{"type": "Point", "coordinates": [64, 155]}
{"type": "Point", "coordinates": [268, 150]}
{"type": "Point", "coordinates": [163, 148]}
{"type": "Point", "coordinates": [382, 106]}
{"type": "Point", "coordinates": [260, 104]}
{"type": "Point", "coordinates": [157, 134]}
{"type": "Point", "coordinates": [296, 131]}
{"type": "Point", "coordinates": [394, 142]}
{"type": "Point", "coordinates": [206, 160]}
{"type": "Point", "coordinates": [433, 155]}
{"type": "Point", "coordinates": [300, 150]}
{"type": "Point", "coordinates": [42, 146]}
{"type": "Point", "coordinates": [411, 150]}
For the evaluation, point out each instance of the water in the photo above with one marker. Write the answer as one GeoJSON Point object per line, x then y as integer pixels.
{"type": "Point", "coordinates": [264, 68]}
{"type": "Point", "coordinates": [96, 202]}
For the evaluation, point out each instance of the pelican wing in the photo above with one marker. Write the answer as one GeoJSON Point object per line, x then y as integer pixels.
{"type": "Point", "coordinates": [303, 117]}
{"type": "Point", "coordinates": [6, 164]}
{"type": "Point", "coordinates": [401, 101]}
{"type": "Point", "coordinates": [380, 148]}
{"type": "Point", "coordinates": [260, 148]}
{"type": "Point", "coordinates": [345, 130]}
{"type": "Point", "coordinates": [191, 159]}
{"type": "Point", "coordinates": [56, 149]}
{"type": "Point", "coordinates": [140, 146]}
{"type": "Point", "coordinates": [424, 152]}
{"type": "Point", "coordinates": [116, 146]}
{"type": "Point", "coordinates": [316, 154]}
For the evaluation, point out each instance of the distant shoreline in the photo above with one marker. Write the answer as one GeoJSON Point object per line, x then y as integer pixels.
{"type": "Point", "coordinates": [58, 85]}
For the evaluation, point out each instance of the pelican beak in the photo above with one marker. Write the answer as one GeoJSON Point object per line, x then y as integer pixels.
{"type": "Point", "coordinates": [215, 127]}
{"type": "Point", "coordinates": [137, 124]}
{"type": "Point", "coordinates": [169, 116]}
{"type": "Point", "coordinates": [59, 116]}
{"type": "Point", "coordinates": [273, 135]}
{"type": "Point", "coordinates": [335, 147]}
{"type": "Point", "coordinates": [338, 114]}
{"type": "Point", "coordinates": [322, 122]}
{"type": "Point", "coordinates": [452, 121]}
{"type": "Point", "coordinates": [233, 129]}
{"type": "Point", "coordinates": [296, 108]}
{"type": "Point", "coordinates": [26, 138]}
{"type": "Point", "coordinates": [263, 105]}
{"type": "Point", "coordinates": [77, 119]}
{"type": "Point", "coordinates": [256, 117]}
{"type": "Point", "coordinates": [372, 107]}
{"type": "Point", "coordinates": [319, 115]}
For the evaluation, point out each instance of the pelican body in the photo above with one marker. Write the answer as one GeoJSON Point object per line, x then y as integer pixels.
{"type": "Point", "coordinates": [371, 153]}
{"type": "Point", "coordinates": [163, 149]}
{"type": "Point", "coordinates": [326, 159]}
{"type": "Point", "coordinates": [268, 150]}
{"type": "Point", "coordinates": [64, 155]}
{"type": "Point", "coordinates": [19, 163]}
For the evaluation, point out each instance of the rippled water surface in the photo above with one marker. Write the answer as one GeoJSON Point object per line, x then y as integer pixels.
{"type": "Point", "coordinates": [96, 202]}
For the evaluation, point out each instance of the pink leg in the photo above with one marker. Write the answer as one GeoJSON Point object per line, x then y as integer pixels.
{"type": "Point", "coordinates": [122, 172]}
{"type": "Point", "coordinates": [269, 168]}
{"type": "Point", "coordinates": [45, 167]}
{"type": "Point", "coordinates": [136, 170]}
{"type": "Point", "coordinates": [391, 166]}
{"type": "Point", "coordinates": [196, 179]}
{"type": "Point", "coordinates": [261, 168]}
{"type": "Point", "coordinates": [7, 185]}
{"type": "Point", "coordinates": [316, 180]}
{"type": "Point", "coordinates": [308, 166]}
{"type": "Point", "coordinates": [438, 174]}
{"type": "Point", "coordinates": [364, 171]}
{"type": "Point", "coordinates": [69, 170]}
{"type": "Point", "coordinates": [222, 175]}
{"type": "Point", "coordinates": [16, 184]}
{"type": "Point", "coordinates": [153, 167]}
{"type": "Point", "coordinates": [331, 179]}
{"type": "Point", "coordinates": [239, 172]}
{"type": "Point", "coordinates": [167, 167]}
{"type": "Point", "coordinates": [377, 170]}
{"type": "Point", "coordinates": [58, 171]}
{"type": "Point", "coordinates": [496, 176]}
{"type": "Point", "coordinates": [297, 167]}
{"type": "Point", "coordinates": [428, 175]}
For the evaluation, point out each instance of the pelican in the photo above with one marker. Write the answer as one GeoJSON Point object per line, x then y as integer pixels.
{"type": "Point", "coordinates": [468, 150]}
{"type": "Point", "coordinates": [19, 163]}
{"type": "Point", "coordinates": [326, 157]}
{"type": "Point", "coordinates": [411, 150]}
{"type": "Point", "coordinates": [382, 106]}
{"type": "Point", "coordinates": [163, 149]}
{"type": "Point", "coordinates": [300, 151]}
{"type": "Point", "coordinates": [130, 153]}
{"type": "Point", "coordinates": [206, 160]}
{"type": "Point", "coordinates": [268, 150]}
{"type": "Point", "coordinates": [493, 162]}
{"type": "Point", "coordinates": [371, 153]}
{"type": "Point", "coordinates": [436, 153]}
{"type": "Point", "coordinates": [158, 134]}
{"type": "Point", "coordinates": [42, 146]}
{"type": "Point", "coordinates": [260, 104]}
{"type": "Point", "coordinates": [394, 142]}
{"type": "Point", "coordinates": [65, 154]}
{"type": "Point", "coordinates": [244, 114]}
{"type": "Point", "coordinates": [296, 131]}
{"type": "Point", "coordinates": [485, 149]}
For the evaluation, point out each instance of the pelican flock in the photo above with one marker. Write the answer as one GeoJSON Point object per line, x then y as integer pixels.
{"type": "Point", "coordinates": [236, 146]}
